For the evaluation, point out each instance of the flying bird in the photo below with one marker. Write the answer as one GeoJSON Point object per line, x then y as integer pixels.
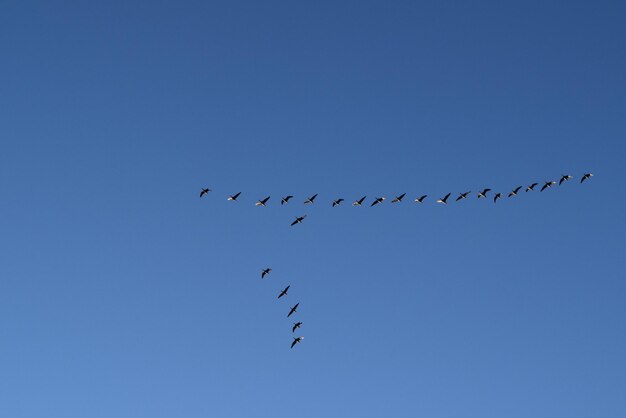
{"type": "Point", "coordinates": [359, 202]}
{"type": "Point", "coordinates": [586, 176]}
{"type": "Point", "coordinates": [296, 340]}
{"type": "Point", "coordinates": [284, 292]}
{"type": "Point", "coordinates": [531, 187]}
{"type": "Point", "coordinates": [293, 309]}
{"type": "Point", "coordinates": [398, 198]}
{"type": "Point", "coordinates": [463, 196]}
{"type": "Point", "coordinates": [204, 191]}
{"type": "Point", "coordinates": [298, 220]}
{"type": "Point", "coordinates": [564, 178]}
{"type": "Point", "coordinates": [262, 202]}
{"type": "Point", "coordinates": [378, 200]}
{"type": "Point", "coordinates": [310, 199]}
{"type": "Point", "coordinates": [234, 197]}
{"type": "Point", "coordinates": [285, 199]}
{"type": "Point", "coordinates": [421, 198]}
{"type": "Point", "coordinates": [337, 202]}
{"type": "Point", "coordinates": [444, 200]}
{"type": "Point", "coordinates": [547, 185]}
{"type": "Point", "coordinates": [514, 191]}
{"type": "Point", "coordinates": [265, 272]}
{"type": "Point", "coordinates": [296, 326]}
{"type": "Point", "coordinates": [483, 193]}
{"type": "Point", "coordinates": [496, 197]}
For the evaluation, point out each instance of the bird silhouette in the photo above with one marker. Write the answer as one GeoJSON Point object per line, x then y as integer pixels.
{"type": "Point", "coordinates": [421, 198]}
{"type": "Point", "coordinates": [234, 197]}
{"type": "Point", "coordinates": [483, 193]}
{"type": "Point", "coordinates": [296, 325]}
{"type": "Point", "coordinates": [514, 191]}
{"type": "Point", "coordinates": [296, 340]}
{"type": "Point", "coordinates": [311, 199]}
{"type": "Point", "coordinates": [337, 202]}
{"type": "Point", "coordinates": [531, 187]}
{"type": "Point", "coordinates": [262, 202]}
{"type": "Point", "coordinates": [547, 185]}
{"type": "Point", "coordinates": [285, 199]}
{"type": "Point", "coordinates": [444, 200]}
{"type": "Point", "coordinates": [496, 197]}
{"type": "Point", "coordinates": [564, 178]}
{"type": "Point", "coordinates": [293, 309]}
{"type": "Point", "coordinates": [283, 292]}
{"type": "Point", "coordinates": [398, 198]}
{"type": "Point", "coordinates": [265, 272]}
{"type": "Point", "coordinates": [204, 191]}
{"type": "Point", "coordinates": [463, 196]}
{"type": "Point", "coordinates": [377, 201]}
{"type": "Point", "coordinates": [586, 177]}
{"type": "Point", "coordinates": [298, 220]}
{"type": "Point", "coordinates": [359, 202]}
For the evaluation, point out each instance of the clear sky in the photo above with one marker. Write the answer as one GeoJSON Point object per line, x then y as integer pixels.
{"type": "Point", "coordinates": [122, 294]}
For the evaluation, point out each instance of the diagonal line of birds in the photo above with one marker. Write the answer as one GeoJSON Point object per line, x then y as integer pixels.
{"type": "Point", "coordinates": [296, 325]}
{"type": "Point", "coordinates": [484, 193]}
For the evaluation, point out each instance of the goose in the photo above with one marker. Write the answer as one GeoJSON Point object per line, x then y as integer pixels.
{"type": "Point", "coordinates": [359, 202]}
{"type": "Point", "coordinates": [378, 200]}
{"type": "Point", "coordinates": [514, 191]}
{"type": "Point", "coordinates": [483, 193]}
{"type": "Point", "coordinates": [262, 202]}
{"type": "Point", "coordinates": [496, 197]}
{"type": "Point", "coordinates": [531, 187]}
{"type": "Point", "coordinates": [234, 197]}
{"type": "Point", "coordinates": [265, 272]}
{"type": "Point", "coordinates": [547, 185]}
{"type": "Point", "coordinates": [444, 200]}
{"type": "Point", "coordinates": [463, 196]}
{"type": "Point", "coordinates": [337, 202]}
{"type": "Point", "coordinates": [421, 198]}
{"type": "Point", "coordinates": [310, 199]}
{"type": "Point", "coordinates": [586, 176]}
{"type": "Point", "coordinates": [284, 292]}
{"type": "Point", "coordinates": [398, 198]}
{"type": "Point", "coordinates": [298, 220]}
{"type": "Point", "coordinates": [204, 191]}
{"type": "Point", "coordinates": [285, 199]}
{"type": "Point", "coordinates": [296, 326]}
{"type": "Point", "coordinates": [293, 309]}
{"type": "Point", "coordinates": [564, 178]}
{"type": "Point", "coordinates": [296, 340]}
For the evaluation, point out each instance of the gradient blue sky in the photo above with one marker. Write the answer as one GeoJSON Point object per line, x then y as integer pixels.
{"type": "Point", "coordinates": [122, 294]}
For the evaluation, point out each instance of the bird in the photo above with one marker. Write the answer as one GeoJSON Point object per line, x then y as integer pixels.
{"type": "Point", "coordinates": [234, 197]}
{"type": "Point", "coordinates": [463, 196]}
{"type": "Point", "coordinates": [496, 197]}
{"type": "Point", "coordinates": [483, 193]}
{"type": "Point", "coordinates": [531, 187]}
{"type": "Point", "coordinates": [298, 220]}
{"type": "Point", "coordinates": [564, 178]}
{"type": "Point", "coordinates": [311, 199]}
{"type": "Point", "coordinates": [398, 198]}
{"type": "Point", "coordinates": [284, 292]}
{"type": "Point", "coordinates": [285, 199]}
{"type": "Point", "coordinates": [547, 185]}
{"type": "Point", "coordinates": [296, 340]}
{"type": "Point", "coordinates": [265, 272]}
{"type": "Point", "coordinates": [296, 325]}
{"type": "Point", "coordinates": [262, 202]}
{"type": "Point", "coordinates": [514, 191]}
{"type": "Point", "coordinates": [337, 202]}
{"type": "Point", "coordinates": [444, 200]}
{"type": "Point", "coordinates": [586, 176]}
{"type": "Point", "coordinates": [378, 200]}
{"type": "Point", "coordinates": [293, 309]}
{"type": "Point", "coordinates": [421, 198]}
{"type": "Point", "coordinates": [359, 202]}
{"type": "Point", "coordinates": [204, 191]}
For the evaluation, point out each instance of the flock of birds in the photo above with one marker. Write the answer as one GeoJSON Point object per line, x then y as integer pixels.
{"type": "Point", "coordinates": [292, 310]}
{"type": "Point", "coordinates": [378, 200]}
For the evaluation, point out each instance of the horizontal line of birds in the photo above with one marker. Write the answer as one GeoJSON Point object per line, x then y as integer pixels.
{"type": "Point", "coordinates": [444, 200]}
{"type": "Point", "coordinates": [292, 310]}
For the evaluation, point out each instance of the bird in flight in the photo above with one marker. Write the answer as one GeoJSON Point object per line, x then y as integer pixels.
{"type": "Point", "coordinates": [378, 200]}
{"type": "Point", "coordinates": [265, 272]}
{"type": "Point", "coordinates": [586, 177]}
{"type": "Point", "coordinates": [531, 187]}
{"type": "Point", "coordinates": [234, 197]}
{"type": "Point", "coordinates": [298, 220]}
{"type": "Point", "coordinates": [398, 198]}
{"type": "Point", "coordinates": [262, 202]}
{"type": "Point", "coordinates": [444, 200]}
{"type": "Point", "coordinates": [359, 202]}
{"type": "Point", "coordinates": [421, 198]}
{"type": "Point", "coordinates": [296, 326]}
{"type": "Point", "coordinates": [514, 191]}
{"type": "Point", "coordinates": [547, 185]}
{"type": "Point", "coordinates": [204, 191]}
{"type": "Point", "coordinates": [463, 196]}
{"type": "Point", "coordinates": [296, 340]}
{"type": "Point", "coordinates": [483, 193]}
{"type": "Point", "coordinates": [337, 202]}
{"type": "Point", "coordinates": [564, 178]}
{"type": "Point", "coordinates": [293, 309]}
{"type": "Point", "coordinates": [284, 292]}
{"type": "Point", "coordinates": [311, 199]}
{"type": "Point", "coordinates": [496, 197]}
{"type": "Point", "coordinates": [285, 199]}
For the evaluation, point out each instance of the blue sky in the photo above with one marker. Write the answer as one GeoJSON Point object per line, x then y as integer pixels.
{"type": "Point", "coordinates": [123, 294]}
